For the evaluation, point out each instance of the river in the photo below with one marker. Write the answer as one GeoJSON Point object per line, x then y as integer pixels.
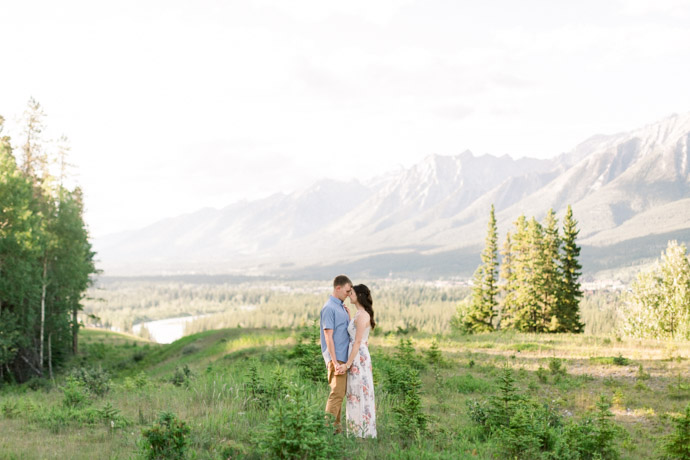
{"type": "Point", "coordinates": [166, 330]}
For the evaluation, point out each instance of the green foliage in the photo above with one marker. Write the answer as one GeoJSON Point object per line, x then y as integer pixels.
{"type": "Point", "coordinates": [593, 437]}
{"type": "Point", "coordinates": [410, 420]}
{"type": "Point", "coordinates": [483, 305]}
{"type": "Point", "coordinates": [166, 439]}
{"type": "Point", "coordinates": [620, 360]}
{"type": "Point", "coordinates": [522, 427]}
{"type": "Point", "coordinates": [307, 355]}
{"type": "Point", "coordinates": [75, 395]}
{"type": "Point", "coordinates": [677, 444]}
{"type": "Point", "coordinates": [94, 380]}
{"type": "Point", "coordinates": [181, 376]}
{"type": "Point", "coordinates": [45, 258]}
{"type": "Point", "coordinates": [570, 290]}
{"type": "Point", "coordinates": [112, 417]}
{"type": "Point", "coordinates": [541, 272]}
{"type": "Point", "coordinates": [557, 368]}
{"type": "Point", "coordinates": [434, 355]}
{"type": "Point", "coordinates": [263, 393]}
{"type": "Point", "coordinates": [659, 304]}
{"type": "Point", "coordinates": [296, 429]}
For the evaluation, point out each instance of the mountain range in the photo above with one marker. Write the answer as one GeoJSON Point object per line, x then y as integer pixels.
{"type": "Point", "coordinates": [630, 193]}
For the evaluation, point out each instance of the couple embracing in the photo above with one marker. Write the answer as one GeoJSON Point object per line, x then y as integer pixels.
{"type": "Point", "coordinates": [344, 344]}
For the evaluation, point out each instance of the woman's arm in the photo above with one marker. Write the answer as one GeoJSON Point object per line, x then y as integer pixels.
{"type": "Point", "coordinates": [361, 324]}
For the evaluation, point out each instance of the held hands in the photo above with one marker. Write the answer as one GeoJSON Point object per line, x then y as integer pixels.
{"type": "Point", "coordinates": [340, 369]}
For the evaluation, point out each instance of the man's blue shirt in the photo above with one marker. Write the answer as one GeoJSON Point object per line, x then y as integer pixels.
{"type": "Point", "coordinates": [334, 316]}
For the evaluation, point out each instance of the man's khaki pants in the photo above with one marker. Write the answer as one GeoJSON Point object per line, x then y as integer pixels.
{"type": "Point", "coordinates": [338, 385]}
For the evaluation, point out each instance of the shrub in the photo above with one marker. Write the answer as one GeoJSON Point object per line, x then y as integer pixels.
{"type": "Point", "coordinates": [10, 408]}
{"type": "Point", "coordinates": [405, 355]}
{"type": "Point", "coordinates": [112, 416]}
{"type": "Point", "coordinates": [556, 367]}
{"type": "Point", "coordinates": [166, 438]}
{"type": "Point", "coordinates": [307, 354]}
{"type": "Point", "coordinates": [641, 374]}
{"type": "Point", "coordinates": [75, 394]}
{"type": "Point", "coordinates": [262, 393]}
{"type": "Point", "coordinates": [434, 355]}
{"type": "Point", "coordinates": [190, 349]}
{"type": "Point", "coordinates": [296, 430]}
{"type": "Point", "coordinates": [542, 375]}
{"type": "Point", "coordinates": [181, 376]}
{"type": "Point", "coordinates": [410, 421]}
{"type": "Point", "coordinates": [620, 360]}
{"type": "Point", "coordinates": [677, 444]}
{"type": "Point", "coordinates": [94, 379]}
{"type": "Point", "coordinates": [593, 437]}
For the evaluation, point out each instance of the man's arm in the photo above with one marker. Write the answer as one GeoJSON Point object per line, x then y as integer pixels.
{"type": "Point", "coordinates": [330, 346]}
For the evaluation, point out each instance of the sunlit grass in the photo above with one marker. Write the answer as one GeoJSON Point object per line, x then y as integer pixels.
{"type": "Point", "coordinates": [222, 418]}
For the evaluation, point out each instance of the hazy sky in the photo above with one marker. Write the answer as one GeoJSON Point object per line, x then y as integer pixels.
{"type": "Point", "coordinates": [172, 106]}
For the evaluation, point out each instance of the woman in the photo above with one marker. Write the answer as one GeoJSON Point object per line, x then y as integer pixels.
{"type": "Point", "coordinates": [361, 411]}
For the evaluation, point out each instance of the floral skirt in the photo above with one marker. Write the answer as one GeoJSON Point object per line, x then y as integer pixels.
{"type": "Point", "coordinates": [360, 406]}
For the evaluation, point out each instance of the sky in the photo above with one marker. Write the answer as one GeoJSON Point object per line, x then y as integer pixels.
{"type": "Point", "coordinates": [172, 106]}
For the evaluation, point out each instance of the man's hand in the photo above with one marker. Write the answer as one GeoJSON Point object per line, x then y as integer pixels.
{"type": "Point", "coordinates": [339, 369]}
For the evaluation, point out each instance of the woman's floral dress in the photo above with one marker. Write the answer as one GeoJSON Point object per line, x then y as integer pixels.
{"type": "Point", "coordinates": [360, 407]}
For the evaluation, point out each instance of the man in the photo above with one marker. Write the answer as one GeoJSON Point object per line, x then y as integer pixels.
{"type": "Point", "coordinates": [335, 339]}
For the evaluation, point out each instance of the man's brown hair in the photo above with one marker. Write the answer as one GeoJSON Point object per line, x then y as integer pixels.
{"type": "Point", "coordinates": [341, 280]}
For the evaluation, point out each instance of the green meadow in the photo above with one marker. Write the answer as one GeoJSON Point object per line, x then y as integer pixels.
{"type": "Point", "coordinates": [251, 393]}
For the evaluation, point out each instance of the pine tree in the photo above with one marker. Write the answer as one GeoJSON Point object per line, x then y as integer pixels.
{"type": "Point", "coordinates": [484, 301]}
{"type": "Point", "coordinates": [34, 158]}
{"type": "Point", "coordinates": [508, 281]}
{"type": "Point", "coordinates": [570, 292]}
{"type": "Point", "coordinates": [551, 274]}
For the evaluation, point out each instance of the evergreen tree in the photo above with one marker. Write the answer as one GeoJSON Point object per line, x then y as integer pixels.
{"type": "Point", "coordinates": [570, 291]}
{"type": "Point", "coordinates": [508, 281]}
{"type": "Point", "coordinates": [551, 274]}
{"type": "Point", "coordinates": [484, 301]}
{"type": "Point", "coordinates": [34, 158]}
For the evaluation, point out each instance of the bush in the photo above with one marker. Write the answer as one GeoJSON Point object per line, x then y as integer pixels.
{"type": "Point", "coordinates": [75, 394]}
{"type": "Point", "coordinates": [434, 355]}
{"type": "Point", "coordinates": [542, 375]}
{"type": "Point", "coordinates": [112, 417]}
{"type": "Point", "coordinates": [523, 427]}
{"type": "Point", "coordinates": [677, 444]}
{"type": "Point", "coordinates": [557, 367]}
{"type": "Point", "coordinates": [410, 421]}
{"type": "Point", "coordinates": [181, 376]}
{"type": "Point", "coordinates": [405, 355]}
{"type": "Point", "coordinates": [296, 430]}
{"type": "Point", "coordinates": [94, 379]}
{"type": "Point", "coordinates": [166, 438]}
{"type": "Point", "coordinates": [262, 393]}
{"type": "Point", "coordinates": [620, 360]}
{"type": "Point", "coordinates": [593, 437]}
{"type": "Point", "coordinates": [308, 357]}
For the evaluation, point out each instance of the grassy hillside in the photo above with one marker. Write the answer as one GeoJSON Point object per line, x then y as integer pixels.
{"type": "Point", "coordinates": [205, 380]}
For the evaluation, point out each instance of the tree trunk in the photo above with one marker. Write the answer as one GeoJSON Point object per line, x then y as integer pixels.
{"type": "Point", "coordinates": [43, 310]}
{"type": "Point", "coordinates": [75, 331]}
{"type": "Point", "coordinates": [50, 356]}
